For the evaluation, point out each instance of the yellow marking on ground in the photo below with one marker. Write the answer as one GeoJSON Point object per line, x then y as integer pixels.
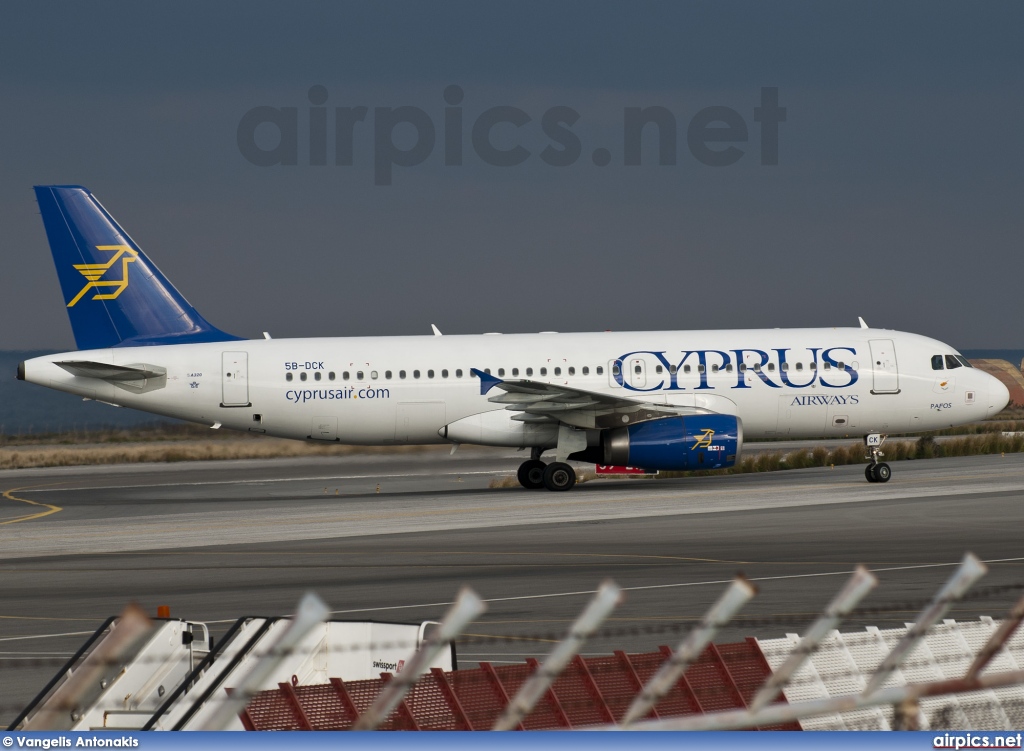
{"type": "Point", "coordinates": [525, 553]}
{"type": "Point", "coordinates": [503, 637]}
{"type": "Point", "coordinates": [406, 515]}
{"type": "Point", "coordinates": [47, 618]}
{"type": "Point", "coordinates": [50, 508]}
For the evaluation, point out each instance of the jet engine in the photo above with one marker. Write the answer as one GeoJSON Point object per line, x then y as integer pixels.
{"type": "Point", "coordinates": [676, 443]}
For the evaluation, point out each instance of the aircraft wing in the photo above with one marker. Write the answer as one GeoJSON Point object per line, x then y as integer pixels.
{"type": "Point", "coordinates": [553, 403]}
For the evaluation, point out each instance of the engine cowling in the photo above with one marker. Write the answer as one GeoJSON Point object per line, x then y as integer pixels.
{"type": "Point", "coordinates": [676, 443]}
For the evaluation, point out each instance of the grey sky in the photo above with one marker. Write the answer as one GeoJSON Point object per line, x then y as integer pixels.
{"type": "Point", "coordinates": [897, 195]}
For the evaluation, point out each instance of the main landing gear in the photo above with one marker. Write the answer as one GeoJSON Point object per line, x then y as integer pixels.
{"type": "Point", "coordinates": [531, 474]}
{"type": "Point", "coordinates": [557, 476]}
{"type": "Point", "coordinates": [876, 471]}
{"type": "Point", "coordinates": [536, 475]}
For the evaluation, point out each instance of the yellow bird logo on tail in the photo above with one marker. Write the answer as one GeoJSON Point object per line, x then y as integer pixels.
{"type": "Point", "coordinates": [94, 273]}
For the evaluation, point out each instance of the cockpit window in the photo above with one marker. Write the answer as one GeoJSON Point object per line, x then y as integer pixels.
{"type": "Point", "coordinates": [964, 361]}
{"type": "Point", "coordinates": [952, 362]}
{"type": "Point", "coordinates": [936, 362]}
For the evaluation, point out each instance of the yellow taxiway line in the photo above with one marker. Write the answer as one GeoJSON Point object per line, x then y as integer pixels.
{"type": "Point", "coordinates": [50, 508]}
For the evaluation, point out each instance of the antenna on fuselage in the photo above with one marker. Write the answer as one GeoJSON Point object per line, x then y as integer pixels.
{"type": "Point", "coordinates": [863, 325]}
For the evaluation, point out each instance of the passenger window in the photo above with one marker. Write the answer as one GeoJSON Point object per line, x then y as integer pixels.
{"type": "Point", "coordinates": [615, 369]}
{"type": "Point", "coordinates": [842, 366]}
{"type": "Point", "coordinates": [828, 367]}
{"type": "Point", "coordinates": [757, 367]}
{"type": "Point", "coordinates": [430, 374]}
{"type": "Point", "coordinates": [287, 376]}
{"type": "Point", "coordinates": [964, 361]}
{"type": "Point", "coordinates": [686, 369]}
{"type": "Point", "coordinates": [586, 370]}
{"type": "Point", "coordinates": [401, 374]}
{"type": "Point", "coordinates": [572, 371]}
{"type": "Point", "coordinates": [515, 371]}
{"type": "Point", "coordinates": [444, 373]}
{"type": "Point", "coordinates": [487, 371]}
{"type": "Point", "coordinates": [785, 366]}
{"type": "Point", "coordinates": [529, 371]}
{"type": "Point", "coordinates": [936, 362]}
{"type": "Point", "coordinates": [657, 369]}
{"type": "Point", "coordinates": [317, 376]}
{"type": "Point", "coordinates": [543, 371]}
{"type": "Point", "coordinates": [330, 376]}
{"type": "Point", "coordinates": [700, 368]}
{"type": "Point", "coordinates": [813, 365]}
{"type": "Point", "coordinates": [714, 368]}
{"type": "Point", "coordinates": [743, 367]}
{"type": "Point", "coordinates": [599, 370]}
{"type": "Point", "coordinates": [672, 369]}
{"type": "Point", "coordinates": [359, 375]}
{"type": "Point", "coordinates": [302, 376]}
{"type": "Point", "coordinates": [373, 375]}
{"type": "Point", "coordinates": [387, 374]}
{"type": "Point", "coordinates": [458, 373]}
{"type": "Point", "coordinates": [415, 374]}
{"type": "Point", "coordinates": [501, 371]}
{"type": "Point", "coordinates": [799, 366]}
{"type": "Point", "coordinates": [344, 376]}
{"type": "Point", "coordinates": [951, 362]}
{"type": "Point", "coordinates": [728, 368]}
{"type": "Point", "coordinates": [771, 367]}
{"type": "Point", "coordinates": [558, 371]}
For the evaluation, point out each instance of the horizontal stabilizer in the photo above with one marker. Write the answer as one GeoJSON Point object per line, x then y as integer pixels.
{"type": "Point", "coordinates": [108, 372]}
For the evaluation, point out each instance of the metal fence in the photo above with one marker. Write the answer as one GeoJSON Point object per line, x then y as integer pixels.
{"type": "Point", "coordinates": [931, 674]}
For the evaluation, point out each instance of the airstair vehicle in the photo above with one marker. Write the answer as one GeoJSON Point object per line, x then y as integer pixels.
{"type": "Point", "coordinates": [170, 677]}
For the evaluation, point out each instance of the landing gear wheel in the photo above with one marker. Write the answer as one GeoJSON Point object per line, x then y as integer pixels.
{"type": "Point", "coordinates": [876, 471]}
{"type": "Point", "coordinates": [559, 476]}
{"type": "Point", "coordinates": [531, 474]}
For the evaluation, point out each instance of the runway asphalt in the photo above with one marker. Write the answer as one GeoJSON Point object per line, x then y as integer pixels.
{"type": "Point", "coordinates": [219, 540]}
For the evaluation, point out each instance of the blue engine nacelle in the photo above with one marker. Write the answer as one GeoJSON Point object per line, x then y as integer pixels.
{"type": "Point", "coordinates": [680, 443]}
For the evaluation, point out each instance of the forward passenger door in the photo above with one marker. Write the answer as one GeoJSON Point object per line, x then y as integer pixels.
{"type": "Point", "coordinates": [883, 367]}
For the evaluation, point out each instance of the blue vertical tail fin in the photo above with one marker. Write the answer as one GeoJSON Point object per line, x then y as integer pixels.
{"type": "Point", "coordinates": [114, 294]}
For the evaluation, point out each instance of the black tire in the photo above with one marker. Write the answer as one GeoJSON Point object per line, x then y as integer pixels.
{"type": "Point", "coordinates": [882, 472]}
{"type": "Point", "coordinates": [531, 474]}
{"type": "Point", "coordinates": [559, 477]}
{"type": "Point", "coordinates": [869, 473]}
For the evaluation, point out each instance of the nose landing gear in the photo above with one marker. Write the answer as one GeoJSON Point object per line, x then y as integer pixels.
{"type": "Point", "coordinates": [876, 471]}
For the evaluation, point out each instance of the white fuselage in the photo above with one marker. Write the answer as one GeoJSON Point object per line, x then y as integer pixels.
{"type": "Point", "coordinates": [404, 390]}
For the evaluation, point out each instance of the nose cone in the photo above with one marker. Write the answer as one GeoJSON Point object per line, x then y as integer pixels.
{"type": "Point", "coordinates": [998, 396]}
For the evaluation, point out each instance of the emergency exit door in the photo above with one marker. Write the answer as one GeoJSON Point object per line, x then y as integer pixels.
{"type": "Point", "coordinates": [235, 379]}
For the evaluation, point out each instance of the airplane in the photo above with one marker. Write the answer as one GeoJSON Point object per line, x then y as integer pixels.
{"type": "Point", "coordinates": [659, 400]}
